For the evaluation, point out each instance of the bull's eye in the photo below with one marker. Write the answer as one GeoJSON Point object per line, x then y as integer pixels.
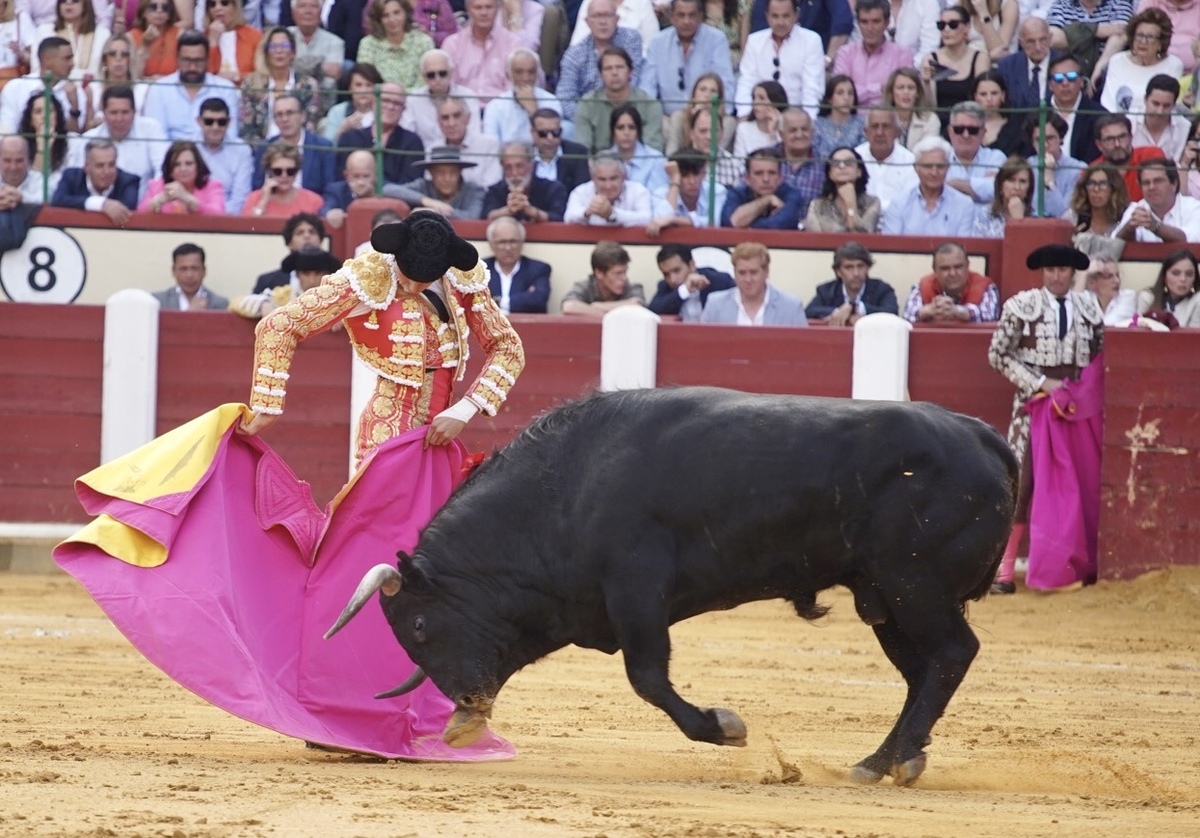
{"type": "Point", "coordinates": [419, 629]}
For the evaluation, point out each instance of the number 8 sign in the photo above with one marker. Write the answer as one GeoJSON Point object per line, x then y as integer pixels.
{"type": "Point", "coordinates": [48, 268]}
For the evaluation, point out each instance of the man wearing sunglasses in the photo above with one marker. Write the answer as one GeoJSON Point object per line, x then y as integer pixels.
{"type": "Point", "coordinates": [784, 52]}
{"type": "Point", "coordinates": [972, 167]}
{"type": "Point", "coordinates": [319, 159]}
{"type": "Point", "coordinates": [420, 109]}
{"type": "Point", "coordinates": [681, 53]}
{"type": "Point", "coordinates": [578, 72]}
{"type": "Point", "coordinates": [557, 159]}
{"type": "Point", "coordinates": [176, 99]}
{"type": "Point", "coordinates": [230, 163]}
{"type": "Point", "coordinates": [1078, 110]}
{"type": "Point", "coordinates": [1090, 27]}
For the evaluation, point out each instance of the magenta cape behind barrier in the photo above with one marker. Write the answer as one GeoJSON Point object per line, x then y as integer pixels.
{"type": "Point", "coordinates": [255, 574]}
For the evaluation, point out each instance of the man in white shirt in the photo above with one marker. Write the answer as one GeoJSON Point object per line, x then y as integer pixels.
{"type": "Point", "coordinates": [140, 141]}
{"type": "Point", "coordinates": [608, 199]}
{"type": "Point", "coordinates": [420, 109]}
{"type": "Point", "coordinates": [784, 52]}
{"type": "Point", "coordinates": [19, 184]}
{"type": "Point", "coordinates": [890, 172]}
{"type": "Point", "coordinates": [1163, 215]}
{"type": "Point", "coordinates": [507, 117]}
{"type": "Point", "coordinates": [753, 301]}
{"type": "Point", "coordinates": [1160, 125]}
{"type": "Point", "coordinates": [57, 58]}
{"type": "Point", "coordinates": [483, 150]}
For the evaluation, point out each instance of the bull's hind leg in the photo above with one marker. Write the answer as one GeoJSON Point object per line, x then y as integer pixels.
{"type": "Point", "coordinates": [932, 650]}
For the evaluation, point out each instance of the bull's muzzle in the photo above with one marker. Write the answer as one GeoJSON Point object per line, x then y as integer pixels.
{"type": "Point", "coordinates": [381, 577]}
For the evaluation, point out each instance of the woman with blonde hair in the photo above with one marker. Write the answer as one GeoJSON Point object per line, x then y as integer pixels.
{"type": "Point", "coordinates": [275, 73]}
{"type": "Point", "coordinates": [903, 93]}
{"type": "Point", "coordinates": [118, 67]}
{"type": "Point", "coordinates": [706, 87]}
{"type": "Point", "coordinates": [393, 46]}
{"type": "Point", "coordinates": [232, 43]}
{"type": "Point", "coordinates": [279, 196]}
{"type": "Point", "coordinates": [74, 20]}
{"type": "Point", "coordinates": [155, 33]}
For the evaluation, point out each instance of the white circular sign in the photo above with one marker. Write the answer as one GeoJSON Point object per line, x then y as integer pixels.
{"type": "Point", "coordinates": [48, 268]}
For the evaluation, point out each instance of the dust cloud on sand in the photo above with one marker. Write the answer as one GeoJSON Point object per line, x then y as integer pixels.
{"type": "Point", "coordinates": [1079, 718]}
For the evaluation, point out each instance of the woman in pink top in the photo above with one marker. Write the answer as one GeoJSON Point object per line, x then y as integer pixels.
{"type": "Point", "coordinates": [186, 186]}
{"type": "Point", "coordinates": [279, 196]}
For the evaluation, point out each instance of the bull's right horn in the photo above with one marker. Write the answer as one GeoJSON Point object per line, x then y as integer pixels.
{"type": "Point", "coordinates": [381, 577]}
{"type": "Point", "coordinates": [415, 680]}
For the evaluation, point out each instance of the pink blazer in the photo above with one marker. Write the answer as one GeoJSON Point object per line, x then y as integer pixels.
{"type": "Point", "coordinates": [211, 198]}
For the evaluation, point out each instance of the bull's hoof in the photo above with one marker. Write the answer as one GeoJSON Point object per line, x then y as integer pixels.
{"type": "Point", "coordinates": [865, 774]}
{"type": "Point", "coordinates": [733, 729]}
{"type": "Point", "coordinates": [464, 729]}
{"type": "Point", "coordinates": [906, 773]}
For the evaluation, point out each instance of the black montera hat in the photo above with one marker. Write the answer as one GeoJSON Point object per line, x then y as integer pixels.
{"type": "Point", "coordinates": [311, 258]}
{"type": "Point", "coordinates": [425, 246]}
{"type": "Point", "coordinates": [1057, 256]}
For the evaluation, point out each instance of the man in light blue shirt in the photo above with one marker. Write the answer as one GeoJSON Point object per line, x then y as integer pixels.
{"type": "Point", "coordinates": [681, 53]}
{"type": "Point", "coordinates": [972, 168]}
{"type": "Point", "coordinates": [175, 100]}
{"type": "Point", "coordinates": [507, 116]}
{"type": "Point", "coordinates": [931, 208]}
{"type": "Point", "coordinates": [579, 69]}
{"type": "Point", "coordinates": [230, 163]}
{"type": "Point", "coordinates": [686, 199]}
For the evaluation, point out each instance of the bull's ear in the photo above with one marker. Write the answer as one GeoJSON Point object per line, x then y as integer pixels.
{"type": "Point", "coordinates": [410, 574]}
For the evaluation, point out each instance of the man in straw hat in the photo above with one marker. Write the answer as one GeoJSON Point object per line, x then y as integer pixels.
{"type": "Point", "coordinates": [445, 190]}
{"type": "Point", "coordinates": [1046, 344]}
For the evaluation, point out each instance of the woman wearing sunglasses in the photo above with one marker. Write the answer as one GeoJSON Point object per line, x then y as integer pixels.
{"type": "Point", "coordinates": [75, 20]}
{"type": "Point", "coordinates": [393, 46]}
{"type": "Point", "coordinates": [844, 205]}
{"type": "Point", "coordinates": [1148, 36]}
{"type": "Point", "coordinates": [949, 72]}
{"type": "Point", "coordinates": [279, 196]}
{"type": "Point", "coordinates": [275, 73]}
{"type": "Point", "coordinates": [232, 43]}
{"type": "Point", "coordinates": [155, 34]}
{"type": "Point", "coordinates": [118, 68]}
{"type": "Point", "coordinates": [186, 186]}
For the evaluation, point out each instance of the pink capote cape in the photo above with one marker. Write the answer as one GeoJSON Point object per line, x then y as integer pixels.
{"type": "Point", "coordinates": [1065, 434]}
{"type": "Point", "coordinates": [255, 574]}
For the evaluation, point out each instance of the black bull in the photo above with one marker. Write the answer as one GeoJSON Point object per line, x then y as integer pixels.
{"type": "Point", "coordinates": [611, 518]}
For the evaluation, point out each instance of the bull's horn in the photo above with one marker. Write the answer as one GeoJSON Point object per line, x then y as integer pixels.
{"type": "Point", "coordinates": [381, 577]}
{"type": "Point", "coordinates": [415, 680]}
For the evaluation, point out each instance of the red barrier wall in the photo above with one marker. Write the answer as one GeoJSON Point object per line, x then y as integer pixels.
{"type": "Point", "coordinates": [949, 365]}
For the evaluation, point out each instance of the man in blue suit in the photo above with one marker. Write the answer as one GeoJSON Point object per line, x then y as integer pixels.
{"type": "Point", "coordinates": [852, 294]}
{"type": "Point", "coordinates": [1027, 71]}
{"type": "Point", "coordinates": [99, 186]}
{"type": "Point", "coordinates": [682, 279]}
{"type": "Point", "coordinates": [519, 285]}
{"type": "Point", "coordinates": [557, 159]}
{"type": "Point", "coordinates": [753, 301]}
{"type": "Point", "coordinates": [318, 164]}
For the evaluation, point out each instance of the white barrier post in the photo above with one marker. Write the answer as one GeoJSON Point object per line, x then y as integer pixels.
{"type": "Point", "coordinates": [362, 385]}
{"type": "Point", "coordinates": [881, 358]}
{"type": "Point", "coordinates": [130, 392]}
{"type": "Point", "coordinates": [629, 349]}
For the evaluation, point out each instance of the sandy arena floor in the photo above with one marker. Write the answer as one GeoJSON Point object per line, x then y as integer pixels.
{"type": "Point", "coordinates": [1079, 718]}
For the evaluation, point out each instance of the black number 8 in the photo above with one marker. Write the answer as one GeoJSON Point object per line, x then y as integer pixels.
{"type": "Point", "coordinates": [42, 258]}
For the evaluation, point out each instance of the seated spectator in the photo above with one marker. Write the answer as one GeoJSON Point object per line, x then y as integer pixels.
{"type": "Point", "coordinates": [436, 19]}
{"type": "Point", "coordinates": [677, 55]}
{"type": "Point", "coordinates": [99, 186]}
{"type": "Point", "coordinates": [348, 20]}
{"type": "Point", "coordinates": [480, 149]}
{"type": "Point", "coordinates": [608, 285]}
{"type": "Point", "coordinates": [1104, 284]}
{"type": "Point", "coordinates": [931, 208]}
{"type": "Point", "coordinates": [1189, 160]}
{"type": "Point", "coordinates": [1026, 72]}
{"type": "Point", "coordinates": [116, 70]}
{"type": "Point", "coordinates": [760, 129]}
{"type": "Point", "coordinates": [608, 199]}
{"type": "Point", "coordinates": [870, 61]}
{"type": "Point", "coordinates": [20, 184]}
{"type": "Point", "coordinates": [1114, 138]}
{"type": "Point", "coordinates": [994, 25]}
{"type": "Point", "coordinates": [300, 230]}
{"type": "Point", "coordinates": [753, 301]}
{"type": "Point", "coordinates": [420, 116]}
{"type": "Point", "coordinates": [852, 293]}
{"type": "Point", "coordinates": [838, 123]}
{"type": "Point", "coordinates": [682, 279]}
{"type": "Point", "coordinates": [57, 58]}
{"type": "Point", "coordinates": [557, 159]}
{"type": "Point", "coordinates": [1172, 299]}
{"type": "Point", "coordinates": [638, 15]}
{"type": "Point", "coordinates": [185, 186]}
{"type": "Point", "coordinates": [1160, 126]}
{"type": "Point", "coordinates": [729, 168]}
{"type": "Point", "coordinates": [508, 117]}
{"type": "Point", "coordinates": [1062, 170]}
{"type": "Point", "coordinates": [948, 72]}
{"type": "Point", "coordinates": [679, 124]}
{"type": "Point", "coordinates": [763, 201]}
{"type": "Point", "coordinates": [446, 191]}
{"type": "Point", "coordinates": [687, 199]}
{"type": "Point", "coordinates": [139, 140]}
{"type": "Point", "coordinates": [275, 73]}
{"type": "Point", "coordinates": [319, 52]}
{"type": "Point", "coordinates": [394, 47]}
{"type": "Point", "coordinates": [1068, 99]}
{"type": "Point", "coordinates": [358, 181]}
{"type": "Point", "coordinates": [76, 22]}
{"type": "Point", "coordinates": [155, 35]}
{"type": "Point", "coordinates": [1162, 215]}
{"type": "Point", "coordinates": [46, 155]}
{"type": "Point", "coordinates": [358, 111]}
{"type": "Point", "coordinates": [402, 149]}
{"type": "Point", "coordinates": [173, 101]}
{"type": "Point", "coordinates": [889, 164]}
{"type": "Point", "coordinates": [785, 52]}
{"type": "Point", "coordinates": [518, 284]}
{"type": "Point", "coordinates": [279, 196]}
{"type": "Point", "coordinates": [579, 69]}
{"type": "Point", "coordinates": [480, 49]}
{"type": "Point", "coordinates": [972, 167]}
{"type": "Point", "coordinates": [594, 114]}
{"type": "Point", "coordinates": [1013, 199]}
{"type": "Point", "coordinates": [232, 41]}
{"type": "Point", "coordinates": [521, 194]}
{"type": "Point", "coordinates": [307, 267]}
{"type": "Point", "coordinates": [320, 160]}
{"type": "Point", "coordinates": [643, 164]}
{"type": "Point", "coordinates": [844, 205]}
{"type": "Point", "coordinates": [522, 18]}
{"type": "Point", "coordinates": [904, 93]}
{"type": "Point", "coordinates": [189, 293]}
{"type": "Point", "coordinates": [728, 18]}
{"type": "Point", "coordinates": [1098, 202]}
{"type": "Point", "coordinates": [953, 293]}
{"type": "Point", "coordinates": [1148, 35]}
{"type": "Point", "coordinates": [1002, 129]}
{"type": "Point", "coordinates": [228, 162]}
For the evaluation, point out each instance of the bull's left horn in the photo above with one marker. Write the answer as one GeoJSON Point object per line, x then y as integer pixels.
{"type": "Point", "coordinates": [415, 680]}
{"type": "Point", "coordinates": [381, 577]}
